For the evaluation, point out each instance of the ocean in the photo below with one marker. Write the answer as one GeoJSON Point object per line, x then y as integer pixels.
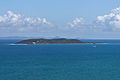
{"type": "Point", "coordinates": [60, 61]}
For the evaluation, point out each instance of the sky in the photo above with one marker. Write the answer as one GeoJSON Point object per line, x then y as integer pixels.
{"type": "Point", "coordinates": [60, 18]}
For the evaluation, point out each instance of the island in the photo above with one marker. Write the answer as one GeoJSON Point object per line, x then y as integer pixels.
{"type": "Point", "coordinates": [51, 41]}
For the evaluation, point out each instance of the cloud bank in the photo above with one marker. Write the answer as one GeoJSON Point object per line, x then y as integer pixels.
{"type": "Point", "coordinates": [111, 20]}
{"type": "Point", "coordinates": [20, 24]}
{"type": "Point", "coordinates": [77, 22]}
{"type": "Point", "coordinates": [13, 19]}
{"type": "Point", "coordinates": [107, 22]}
{"type": "Point", "coordinates": [12, 24]}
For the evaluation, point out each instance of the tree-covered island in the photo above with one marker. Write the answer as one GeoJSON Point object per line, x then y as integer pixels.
{"type": "Point", "coordinates": [50, 41]}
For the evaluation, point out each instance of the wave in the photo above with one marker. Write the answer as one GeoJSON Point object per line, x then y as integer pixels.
{"type": "Point", "coordinates": [16, 44]}
{"type": "Point", "coordinates": [102, 43]}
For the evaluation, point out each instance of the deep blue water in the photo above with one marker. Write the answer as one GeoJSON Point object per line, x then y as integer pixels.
{"type": "Point", "coordinates": [59, 62]}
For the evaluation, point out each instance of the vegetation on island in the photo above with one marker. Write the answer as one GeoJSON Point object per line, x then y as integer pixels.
{"type": "Point", "coordinates": [49, 41]}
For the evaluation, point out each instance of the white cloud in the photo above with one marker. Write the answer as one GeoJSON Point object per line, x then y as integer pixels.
{"type": "Point", "coordinates": [15, 20]}
{"type": "Point", "coordinates": [17, 24]}
{"type": "Point", "coordinates": [77, 22]}
{"type": "Point", "coordinates": [111, 20]}
{"type": "Point", "coordinates": [107, 22]}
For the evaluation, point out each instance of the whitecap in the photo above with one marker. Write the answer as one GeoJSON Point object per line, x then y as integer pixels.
{"type": "Point", "coordinates": [17, 44]}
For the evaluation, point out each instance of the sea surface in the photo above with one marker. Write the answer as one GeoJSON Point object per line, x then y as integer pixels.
{"type": "Point", "coordinates": [60, 61]}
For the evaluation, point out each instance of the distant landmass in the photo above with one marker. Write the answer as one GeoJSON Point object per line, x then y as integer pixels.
{"type": "Point", "coordinates": [50, 41]}
{"type": "Point", "coordinates": [13, 37]}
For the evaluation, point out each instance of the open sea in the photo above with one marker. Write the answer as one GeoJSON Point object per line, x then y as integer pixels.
{"type": "Point", "coordinates": [60, 61]}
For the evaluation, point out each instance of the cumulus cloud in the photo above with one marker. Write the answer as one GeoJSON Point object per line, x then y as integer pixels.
{"type": "Point", "coordinates": [111, 20]}
{"type": "Point", "coordinates": [13, 19]}
{"type": "Point", "coordinates": [77, 22]}
{"type": "Point", "coordinates": [17, 23]}
{"type": "Point", "coordinates": [107, 22]}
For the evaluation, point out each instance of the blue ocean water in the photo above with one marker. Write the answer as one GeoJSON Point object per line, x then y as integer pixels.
{"type": "Point", "coordinates": [59, 61]}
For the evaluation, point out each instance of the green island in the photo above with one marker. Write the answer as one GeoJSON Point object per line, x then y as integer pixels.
{"type": "Point", "coordinates": [52, 41]}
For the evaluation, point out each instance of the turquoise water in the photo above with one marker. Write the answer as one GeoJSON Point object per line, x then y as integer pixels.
{"type": "Point", "coordinates": [59, 62]}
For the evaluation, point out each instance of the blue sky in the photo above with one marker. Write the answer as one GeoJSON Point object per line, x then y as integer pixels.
{"type": "Point", "coordinates": [59, 10]}
{"type": "Point", "coordinates": [58, 13]}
